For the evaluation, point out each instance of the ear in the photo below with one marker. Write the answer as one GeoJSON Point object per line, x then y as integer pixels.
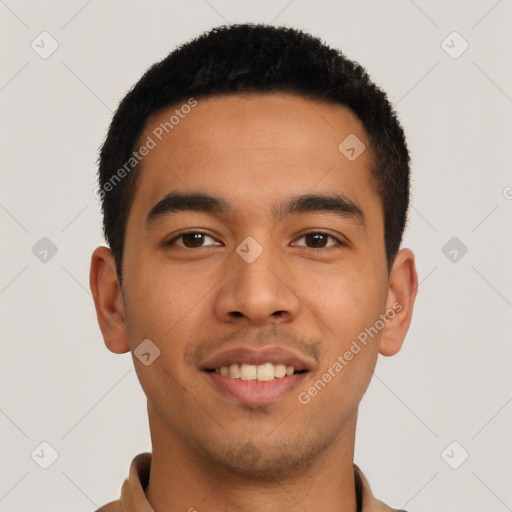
{"type": "Point", "coordinates": [402, 289]}
{"type": "Point", "coordinates": [108, 300]}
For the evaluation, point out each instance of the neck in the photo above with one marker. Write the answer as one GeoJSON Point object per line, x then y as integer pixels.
{"type": "Point", "coordinates": [182, 479]}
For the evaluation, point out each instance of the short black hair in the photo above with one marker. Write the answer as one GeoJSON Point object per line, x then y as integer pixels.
{"type": "Point", "coordinates": [254, 58]}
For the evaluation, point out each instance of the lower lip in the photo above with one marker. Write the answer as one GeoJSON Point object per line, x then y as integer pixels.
{"type": "Point", "coordinates": [252, 391]}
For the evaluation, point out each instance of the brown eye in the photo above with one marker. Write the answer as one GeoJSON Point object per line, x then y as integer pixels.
{"type": "Point", "coordinates": [318, 240]}
{"type": "Point", "coordinates": [190, 240]}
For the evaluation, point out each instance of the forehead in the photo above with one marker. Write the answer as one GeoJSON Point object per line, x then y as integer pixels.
{"type": "Point", "coordinates": [251, 145]}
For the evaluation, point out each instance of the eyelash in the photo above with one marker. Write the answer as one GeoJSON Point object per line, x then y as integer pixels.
{"type": "Point", "coordinates": [180, 235]}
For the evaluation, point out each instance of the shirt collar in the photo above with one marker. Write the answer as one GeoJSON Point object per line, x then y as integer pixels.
{"type": "Point", "coordinates": [133, 498]}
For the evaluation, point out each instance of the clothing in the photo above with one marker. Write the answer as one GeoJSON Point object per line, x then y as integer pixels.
{"type": "Point", "coordinates": [133, 498]}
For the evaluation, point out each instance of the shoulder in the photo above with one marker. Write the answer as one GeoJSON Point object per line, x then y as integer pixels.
{"type": "Point", "coordinates": [132, 491]}
{"type": "Point", "coordinates": [369, 503]}
{"type": "Point", "coordinates": [113, 506]}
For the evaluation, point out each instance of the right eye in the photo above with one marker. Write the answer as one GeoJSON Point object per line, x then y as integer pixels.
{"type": "Point", "coordinates": [190, 240]}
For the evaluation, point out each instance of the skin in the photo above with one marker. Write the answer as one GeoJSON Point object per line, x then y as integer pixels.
{"type": "Point", "coordinates": [210, 451]}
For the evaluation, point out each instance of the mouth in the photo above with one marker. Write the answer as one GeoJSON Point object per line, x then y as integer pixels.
{"type": "Point", "coordinates": [256, 377]}
{"type": "Point", "coordinates": [260, 373]}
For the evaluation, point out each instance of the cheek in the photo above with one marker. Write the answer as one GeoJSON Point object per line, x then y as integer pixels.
{"type": "Point", "coordinates": [348, 302]}
{"type": "Point", "coordinates": [166, 307]}
{"type": "Point", "coordinates": [162, 298]}
{"type": "Point", "coordinates": [333, 396]}
{"type": "Point", "coordinates": [348, 309]}
{"type": "Point", "coordinates": [351, 308]}
{"type": "Point", "coordinates": [348, 306]}
{"type": "Point", "coordinates": [170, 395]}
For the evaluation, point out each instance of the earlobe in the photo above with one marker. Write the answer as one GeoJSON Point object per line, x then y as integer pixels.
{"type": "Point", "coordinates": [108, 300]}
{"type": "Point", "coordinates": [402, 289]}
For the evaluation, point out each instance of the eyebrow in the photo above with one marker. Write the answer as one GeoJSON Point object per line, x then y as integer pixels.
{"type": "Point", "coordinates": [175, 202]}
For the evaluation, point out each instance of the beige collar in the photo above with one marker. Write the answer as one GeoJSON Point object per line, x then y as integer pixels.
{"type": "Point", "coordinates": [133, 498]}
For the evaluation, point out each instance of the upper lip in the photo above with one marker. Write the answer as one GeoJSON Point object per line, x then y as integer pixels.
{"type": "Point", "coordinates": [270, 354]}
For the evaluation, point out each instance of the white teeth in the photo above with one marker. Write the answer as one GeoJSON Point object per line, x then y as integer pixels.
{"type": "Point", "coordinates": [262, 372]}
{"type": "Point", "coordinates": [234, 371]}
{"type": "Point", "coordinates": [265, 372]}
{"type": "Point", "coordinates": [279, 370]}
{"type": "Point", "coordinates": [248, 372]}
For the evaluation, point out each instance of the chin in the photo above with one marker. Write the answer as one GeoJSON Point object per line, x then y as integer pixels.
{"type": "Point", "coordinates": [266, 461]}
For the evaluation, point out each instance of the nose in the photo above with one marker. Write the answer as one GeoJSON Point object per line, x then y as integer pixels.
{"type": "Point", "coordinates": [258, 292]}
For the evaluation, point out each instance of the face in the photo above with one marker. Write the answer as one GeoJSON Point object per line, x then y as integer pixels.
{"type": "Point", "coordinates": [276, 256]}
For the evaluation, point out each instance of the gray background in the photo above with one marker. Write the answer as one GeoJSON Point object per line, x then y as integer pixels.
{"type": "Point", "coordinates": [452, 380]}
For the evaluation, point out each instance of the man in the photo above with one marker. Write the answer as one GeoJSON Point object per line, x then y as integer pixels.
{"type": "Point", "coordinates": [255, 186]}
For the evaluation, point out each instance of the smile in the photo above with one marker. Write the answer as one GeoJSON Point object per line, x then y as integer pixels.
{"type": "Point", "coordinates": [256, 376]}
{"type": "Point", "coordinates": [260, 373]}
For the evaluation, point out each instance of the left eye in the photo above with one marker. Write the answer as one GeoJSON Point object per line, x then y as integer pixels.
{"type": "Point", "coordinates": [318, 240]}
